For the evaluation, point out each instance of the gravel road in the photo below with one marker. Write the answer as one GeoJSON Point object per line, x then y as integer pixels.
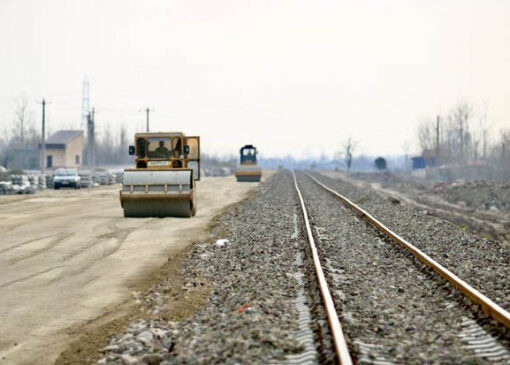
{"type": "Point", "coordinates": [392, 307]}
{"type": "Point", "coordinates": [69, 257]}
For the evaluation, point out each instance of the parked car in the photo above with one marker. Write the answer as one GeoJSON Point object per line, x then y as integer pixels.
{"type": "Point", "coordinates": [66, 178]}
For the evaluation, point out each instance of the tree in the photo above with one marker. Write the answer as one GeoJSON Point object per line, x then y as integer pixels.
{"type": "Point", "coordinates": [427, 135]}
{"type": "Point", "coordinates": [348, 151]}
{"type": "Point", "coordinates": [22, 118]}
{"type": "Point", "coordinates": [19, 149]}
{"type": "Point", "coordinates": [459, 131]}
{"type": "Point", "coordinates": [380, 163]}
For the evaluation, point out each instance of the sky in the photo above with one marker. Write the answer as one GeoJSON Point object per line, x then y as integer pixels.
{"type": "Point", "coordinates": [289, 76]}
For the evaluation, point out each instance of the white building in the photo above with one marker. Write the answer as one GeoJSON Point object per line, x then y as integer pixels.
{"type": "Point", "coordinates": [64, 149]}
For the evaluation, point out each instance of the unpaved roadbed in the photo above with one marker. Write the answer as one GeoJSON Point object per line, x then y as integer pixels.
{"type": "Point", "coordinates": [69, 257]}
{"type": "Point", "coordinates": [250, 315]}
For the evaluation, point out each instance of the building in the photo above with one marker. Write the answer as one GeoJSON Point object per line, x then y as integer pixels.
{"type": "Point", "coordinates": [64, 149]}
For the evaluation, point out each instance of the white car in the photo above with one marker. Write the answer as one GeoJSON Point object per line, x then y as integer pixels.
{"type": "Point", "coordinates": [66, 178]}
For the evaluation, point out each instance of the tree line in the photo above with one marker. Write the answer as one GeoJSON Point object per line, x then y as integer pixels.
{"type": "Point", "coordinates": [462, 137]}
{"type": "Point", "coordinates": [20, 142]}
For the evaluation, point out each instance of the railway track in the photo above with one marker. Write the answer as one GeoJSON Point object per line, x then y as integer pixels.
{"type": "Point", "coordinates": [393, 305]}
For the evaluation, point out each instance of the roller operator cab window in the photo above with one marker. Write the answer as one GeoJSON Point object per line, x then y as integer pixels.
{"type": "Point", "coordinates": [164, 147]}
{"type": "Point", "coordinates": [248, 154]}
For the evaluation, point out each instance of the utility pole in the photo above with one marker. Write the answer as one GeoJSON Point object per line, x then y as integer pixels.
{"type": "Point", "coordinates": [43, 136]}
{"type": "Point", "coordinates": [484, 143]}
{"type": "Point", "coordinates": [147, 110]}
{"type": "Point", "coordinates": [91, 137]}
{"type": "Point", "coordinates": [437, 140]}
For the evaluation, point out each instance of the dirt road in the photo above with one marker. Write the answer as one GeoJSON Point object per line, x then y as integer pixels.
{"type": "Point", "coordinates": [67, 257]}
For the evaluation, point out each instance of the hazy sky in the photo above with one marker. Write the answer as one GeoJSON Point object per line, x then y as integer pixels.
{"type": "Point", "coordinates": [289, 76]}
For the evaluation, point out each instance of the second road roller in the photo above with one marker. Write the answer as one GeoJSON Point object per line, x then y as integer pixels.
{"type": "Point", "coordinates": [163, 182]}
{"type": "Point", "coordinates": [248, 170]}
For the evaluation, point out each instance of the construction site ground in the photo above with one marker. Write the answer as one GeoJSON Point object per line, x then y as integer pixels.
{"type": "Point", "coordinates": [70, 261]}
{"type": "Point", "coordinates": [434, 198]}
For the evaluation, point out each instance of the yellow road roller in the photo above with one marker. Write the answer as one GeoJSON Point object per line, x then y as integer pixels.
{"type": "Point", "coordinates": [163, 182]}
{"type": "Point", "coordinates": [248, 170]}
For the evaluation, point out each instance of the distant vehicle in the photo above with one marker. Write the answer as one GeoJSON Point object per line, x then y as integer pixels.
{"type": "Point", "coordinates": [248, 170]}
{"type": "Point", "coordinates": [163, 182]}
{"type": "Point", "coordinates": [66, 178]}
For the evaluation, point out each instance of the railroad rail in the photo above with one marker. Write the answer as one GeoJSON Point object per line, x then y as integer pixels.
{"type": "Point", "coordinates": [339, 342]}
{"type": "Point", "coordinates": [487, 305]}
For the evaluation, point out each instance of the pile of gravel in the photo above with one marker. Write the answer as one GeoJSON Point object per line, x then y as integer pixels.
{"type": "Point", "coordinates": [482, 262]}
{"type": "Point", "coordinates": [248, 267]}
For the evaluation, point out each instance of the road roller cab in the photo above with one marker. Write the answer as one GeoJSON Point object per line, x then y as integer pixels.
{"type": "Point", "coordinates": [248, 170]}
{"type": "Point", "coordinates": [163, 182]}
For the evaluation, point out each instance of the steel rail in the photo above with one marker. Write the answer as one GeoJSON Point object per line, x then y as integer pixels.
{"type": "Point", "coordinates": [340, 344]}
{"type": "Point", "coordinates": [487, 305]}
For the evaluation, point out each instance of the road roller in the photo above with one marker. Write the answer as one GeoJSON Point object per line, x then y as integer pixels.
{"type": "Point", "coordinates": [248, 170]}
{"type": "Point", "coordinates": [163, 182]}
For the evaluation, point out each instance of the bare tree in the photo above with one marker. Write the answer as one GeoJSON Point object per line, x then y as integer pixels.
{"type": "Point", "coordinates": [22, 118]}
{"type": "Point", "coordinates": [123, 156]}
{"type": "Point", "coordinates": [21, 148]}
{"type": "Point", "coordinates": [464, 137]}
{"type": "Point", "coordinates": [460, 137]}
{"type": "Point", "coordinates": [347, 152]}
{"type": "Point", "coordinates": [427, 135]}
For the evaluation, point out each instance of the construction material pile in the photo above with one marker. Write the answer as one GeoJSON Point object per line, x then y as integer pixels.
{"type": "Point", "coordinates": [85, 180]}
{"type": "Point", "coordinates": [41, 182]}
{"type": "Point", "coordinates": [103, 178]}
{"type": "Point", "coordinates": [6, 188]}
{"type": "Point", "coordinates": [23, 184]}
{"type": "Point", "coordinates": [19, 184]}
{"type": "Point", "coordinates": [49, 181]}
{"type": "Point", "coordinates": [30, 184]}
{"type": "Point", "coordinates": [119, 175]}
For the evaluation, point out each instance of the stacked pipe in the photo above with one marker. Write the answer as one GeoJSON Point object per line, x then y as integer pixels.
{"type": "Point", "coordinates": [6, 188]}
{"type": "Point", "coordinates": [41, 182]}
{"type": "Point", "coordinates": [49, 181]}
{"type": "Point", "coordinates": [85, 180]}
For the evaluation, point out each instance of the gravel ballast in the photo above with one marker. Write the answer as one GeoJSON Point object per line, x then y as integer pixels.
{"type": "Point", "coordinates": [242, 284]}
{"type": "Point", "coordinates": [483, 262]}
{"type": "Point", "coordinates": [392, 307]}
{"type": "Point", "coordinates": [249, 263]}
